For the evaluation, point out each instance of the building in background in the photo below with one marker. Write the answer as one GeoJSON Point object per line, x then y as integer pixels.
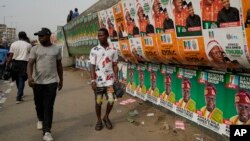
{"type": "Point", "coordinates": [7, 35]}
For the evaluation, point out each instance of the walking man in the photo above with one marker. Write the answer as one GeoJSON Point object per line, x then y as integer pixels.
{"type": "Point", "coordinates": [104, 72]}
{"type": "Point", "coordinates": [43, 68]}
{"type": "Point", "coordinates": [18, 58]}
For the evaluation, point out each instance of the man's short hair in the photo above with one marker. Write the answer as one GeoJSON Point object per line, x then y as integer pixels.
{"type": "Point", "coordinates": [105, 31]}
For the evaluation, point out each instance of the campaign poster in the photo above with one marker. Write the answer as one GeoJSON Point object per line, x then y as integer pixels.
{"type": "Point", "coordinates": [246, 24]}
{"type": "Point", "coordinates": [153, 93]}
{"type": "Point", "coordinates": [130, 15]}
{"type": "Point", "coordinates": [169, 81]}
{"type": "Point", "coordinates": [187, 16]}
{"type": "Point", "coordinates": [122, 72]}
{"type": "Point", "coordinates": [225, 47]}
{"type": "Point", "coordinates": [111, 25]}
{"type": "Point", "coordinates": [211, 102]}
{"type": "Point", "coordinates": [165, 31]}
{"type": "Point", "coordinates": [220, 13]}
{"type": "Point", "coordinates": [192, 51]}
{"type": "Point", "coordinates": [132, 25]}
{"type": "Point", "coordinates": [143, 85]}
{"type": "Point", "coordinates": [147, 30]}
{"type": "Point", "coordinates": [186, 98]}
{"type": "Point", "coordinates": [132, 75]}
{"type": "Point", "coordinates": [122, 33]}
{"type": "Point", "coordinates": [137, 49]}
{"type": "Point", "coordinates": [237, 101]}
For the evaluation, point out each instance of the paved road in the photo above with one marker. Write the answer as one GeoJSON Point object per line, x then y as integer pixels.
{"type": "Point", "coordinates": [74, 117]}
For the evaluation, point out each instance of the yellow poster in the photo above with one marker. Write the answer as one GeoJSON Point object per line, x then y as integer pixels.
{"type": "Point", "coordinates": [193, 51]}
{"type": "Point", "coordinates": [165, 30]}
{"type": "Point", "coordinates": [122, 33]}
{"type": "Point", "coordinates": [147, 31]}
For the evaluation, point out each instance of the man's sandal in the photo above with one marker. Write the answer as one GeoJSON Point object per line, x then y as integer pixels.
{"type": "Point", "coordinates": [107, 123]}
{"type": "Point", "coordinates": [98, 126]}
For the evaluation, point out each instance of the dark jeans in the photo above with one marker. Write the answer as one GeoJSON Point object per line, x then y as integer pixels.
{"type": "Point", "coordinates": [44, 96]}
{"type": "Point", "coordinates": [20, 84]}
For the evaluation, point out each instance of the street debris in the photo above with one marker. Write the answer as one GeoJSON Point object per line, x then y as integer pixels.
{"type": "Point", "coordinates": [150, 114]}
{"type": "Point", "coordinates": [179, 125]}
{"type": "Point", "coordinates": [127, 101]}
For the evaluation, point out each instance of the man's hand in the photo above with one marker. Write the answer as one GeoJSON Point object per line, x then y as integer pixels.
{"type": "Point", "coordinates": [31, 82]}
{"type": "Point", "coordinates": [60, 85]}
{"type": "Point", "coordinates": [93, 85]}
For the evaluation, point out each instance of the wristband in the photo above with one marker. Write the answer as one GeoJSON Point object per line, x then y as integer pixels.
{"type": "Point", "coordinates": [92, 81]}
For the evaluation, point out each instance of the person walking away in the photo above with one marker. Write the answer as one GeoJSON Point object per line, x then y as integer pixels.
{"type": "Point", "coordinates": [18, 58]}
{"type": "Point", "coordinates": [104, 72]}
{"type": "Point", "coordinates": [43, 68]}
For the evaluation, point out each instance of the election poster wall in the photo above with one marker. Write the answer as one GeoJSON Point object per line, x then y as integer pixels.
{"type": "Point", "coordinates": [165, 31]}
{"type": "Point", "coordinates": [211, 100]}
{"type": "Point", "coordinates": [186, 97]}
{"type": "Point", "coordinates": [156, 87]}
{"type": "Point", "coordinates": [225, 42]}
{"type": "Point", "coordinates": [168, 95]}
{"type": "Point", "coordinates": [143, 85]}
{"type": "Point", "coordinates": [132, 80]}
{"type": "Point", "coordinates": [147, 30]}
{"type": "Point", "coordinates": [121, 29]}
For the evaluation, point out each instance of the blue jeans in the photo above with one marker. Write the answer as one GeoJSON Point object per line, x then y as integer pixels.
{"type": "Point", "coordinates": [20, 83]}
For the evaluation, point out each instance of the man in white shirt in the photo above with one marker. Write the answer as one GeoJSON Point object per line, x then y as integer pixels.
{"type": "Point", "coordinates": [104, 72]}
{"type": "Point", "coordinates": [18, 57]}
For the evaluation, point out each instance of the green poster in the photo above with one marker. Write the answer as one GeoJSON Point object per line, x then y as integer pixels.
{"type": "Point", "coordinates": [231, 88]}
{"type": "Point", "coordinates": [169, 81]}
{"type": "Point", "coordinates": [210, 104]}
{"type": "Point", "coordinates": [237, 108]}
{"type": "Point", "coordinates": [132, 75]}
{"type": "Point", "coordinates": [141, 88]}
{"type": "Point", "coordinates": [186, 98]}
{"type": "Point", "coordinates": [153, 92]}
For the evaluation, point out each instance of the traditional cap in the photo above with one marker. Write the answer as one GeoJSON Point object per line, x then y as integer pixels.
{"type": "Point", "coordinates": [153, 76]}
{"type": "Point", "coordinates": [186, 84]}
{"type": "Point", "coordinates": [242, 97]}
{"type": "Point", "coordinates": [168, 79]}
{"type": "Point", "coordinates": [210, 91]}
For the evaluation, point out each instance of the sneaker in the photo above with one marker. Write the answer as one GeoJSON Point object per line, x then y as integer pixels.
{"type": "Point", "coordinates": [18, 102]}
{"type": "Point", "coordinates": [39, 125]}
{"type": "Point", "coordinates": [47, 137]}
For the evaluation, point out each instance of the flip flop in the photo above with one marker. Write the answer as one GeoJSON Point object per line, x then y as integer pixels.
{"type": "Point", "coordinates": [98, 126]}
{"type": "Point", "coordinates": [107, 123]}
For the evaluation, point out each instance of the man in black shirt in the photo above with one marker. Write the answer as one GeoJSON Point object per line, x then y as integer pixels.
{"type": "Point", "coordinates": [228, 13]}
{"type": "Point", "coordinates": [192, 20]}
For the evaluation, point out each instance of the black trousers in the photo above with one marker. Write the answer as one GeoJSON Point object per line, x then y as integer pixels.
{"type": "Point", "coordinates": [44, 97]}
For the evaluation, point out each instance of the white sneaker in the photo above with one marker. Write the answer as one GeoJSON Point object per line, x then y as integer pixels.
{"type": "Point", "coordinates": [47, 137]}
{"type": "Point", "coordinates": [39, 125]}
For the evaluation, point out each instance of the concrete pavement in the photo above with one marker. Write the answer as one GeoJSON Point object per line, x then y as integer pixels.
{"type": "Point", "coordinates": [74, 117]}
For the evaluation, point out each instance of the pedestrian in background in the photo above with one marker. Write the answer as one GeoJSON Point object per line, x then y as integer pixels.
{"type": "Point", "coordinates": [44, 68]}
{"type": "Point", "coordinates": [75, 14]}
{"type": "Point", "coordinates": [70, 16]}
{"type": "Point", "coordinates": [104, 72]}
{"type": "Point", "coordinates": [18, 58]}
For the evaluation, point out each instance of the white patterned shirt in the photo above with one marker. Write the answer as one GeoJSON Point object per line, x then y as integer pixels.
{"type": "Point", "coordinates": [104, 59]}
